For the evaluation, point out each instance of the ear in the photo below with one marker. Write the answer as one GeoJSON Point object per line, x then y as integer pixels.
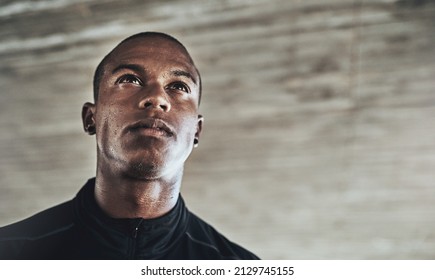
{"type": "Point", "coordinates": [88, 118]}
{"type": "Point", "coordinates": [198, 130]}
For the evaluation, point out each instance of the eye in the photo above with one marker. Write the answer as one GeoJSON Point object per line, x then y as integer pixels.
{"type": "Point", "coordinates": [129, 79]}
{"type": "Point", "coordinates": [179, 86]}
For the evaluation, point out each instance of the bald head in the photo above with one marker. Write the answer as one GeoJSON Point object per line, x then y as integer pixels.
{"type": "Point", "coordinates": [152, 38]}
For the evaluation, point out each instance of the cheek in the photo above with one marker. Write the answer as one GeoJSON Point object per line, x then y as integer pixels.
{"type": "Point", "coordinates": [189, 126]}
{"type": "Point", "coordinates": [108, 122]}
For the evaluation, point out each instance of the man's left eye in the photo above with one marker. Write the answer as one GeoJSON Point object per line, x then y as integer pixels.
{"type": "Point", "coordinates": [179, 86]}
{"type": "Point", "coordinates": [129, 79]}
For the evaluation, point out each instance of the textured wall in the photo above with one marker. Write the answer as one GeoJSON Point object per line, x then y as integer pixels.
{"type": "Point", "coordinates": [319, 139]}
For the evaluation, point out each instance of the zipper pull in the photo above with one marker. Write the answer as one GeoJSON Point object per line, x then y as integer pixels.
{"type": "Point", "coordinates": [135, 232]}
{"type": "Point", "coordinates": [136, 229]}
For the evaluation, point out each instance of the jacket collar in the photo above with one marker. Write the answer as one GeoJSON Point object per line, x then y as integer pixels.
{"type": "Point", "coordinates": [128, 238]}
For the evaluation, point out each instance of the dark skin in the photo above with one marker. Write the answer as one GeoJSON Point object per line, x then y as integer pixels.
{"type": "Point", "coordinates": [146, 124]}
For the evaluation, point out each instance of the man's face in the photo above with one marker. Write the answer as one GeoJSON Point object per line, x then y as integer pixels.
{"type": "Point", "coordinates": [146, 116]}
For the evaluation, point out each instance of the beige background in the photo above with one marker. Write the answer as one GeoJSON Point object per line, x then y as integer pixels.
{"type": "Point", "coordinates": [319, 139]}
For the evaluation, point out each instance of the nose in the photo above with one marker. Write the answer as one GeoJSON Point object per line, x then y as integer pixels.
{"type": "Point", "coordinates": [155, 98]}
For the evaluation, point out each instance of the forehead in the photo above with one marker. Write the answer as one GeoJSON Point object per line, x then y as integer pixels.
{"type": "Point", "coordinates": [153, 51]}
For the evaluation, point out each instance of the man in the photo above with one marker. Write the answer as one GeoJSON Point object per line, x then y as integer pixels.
{"type": "Point", "coordinates": [147, 92]}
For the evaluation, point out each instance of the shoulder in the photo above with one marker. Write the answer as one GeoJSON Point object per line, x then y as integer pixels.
{"type": "Point", "coordinates": [41, 225]}
{"type": "Point", "coordinates": [213, 244]}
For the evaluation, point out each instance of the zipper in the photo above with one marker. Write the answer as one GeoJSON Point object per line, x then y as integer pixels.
{"type": "Point", "coordinates": [133, 240]}
{"type": "Point", "coordinates": [136, 229]}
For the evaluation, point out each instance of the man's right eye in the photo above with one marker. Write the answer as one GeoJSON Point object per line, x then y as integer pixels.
{"type": "Point", "coordinates": [129, 79]}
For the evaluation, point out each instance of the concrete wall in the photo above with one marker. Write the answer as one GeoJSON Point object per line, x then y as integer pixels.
{"type": "Point", "coordinates": [319, 137]}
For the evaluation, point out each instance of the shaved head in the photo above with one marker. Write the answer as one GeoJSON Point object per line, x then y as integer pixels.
{"type": "Point", "coordinates": [100, 71]}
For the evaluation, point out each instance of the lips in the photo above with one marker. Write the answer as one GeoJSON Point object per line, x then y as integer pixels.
{"type": "Point", "coordinates": [153, 126]}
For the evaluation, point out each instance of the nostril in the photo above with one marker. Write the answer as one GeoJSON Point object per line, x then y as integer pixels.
{"type": "Point", "coordinates": [155, 103]}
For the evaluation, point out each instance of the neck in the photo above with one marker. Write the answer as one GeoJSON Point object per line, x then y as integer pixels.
{"type": "Point", "coordinates": [121, 196]}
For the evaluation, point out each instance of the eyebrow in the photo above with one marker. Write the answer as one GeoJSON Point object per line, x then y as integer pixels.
{"type": "Point", "coordinates": [182, 73]}
{"type": "Point", "coordinates": [134, 67]}
{"type": "Point", "coordinates": [138, 68]}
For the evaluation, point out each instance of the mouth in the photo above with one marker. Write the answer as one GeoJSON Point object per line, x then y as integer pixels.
{"type": "Point", "coordinates": [152, 127]}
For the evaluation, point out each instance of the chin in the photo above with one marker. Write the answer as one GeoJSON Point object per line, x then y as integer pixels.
{"type": "Point", "coordinates": [150, 165]}
{"type": "Point", "coordinates": [144, 171]}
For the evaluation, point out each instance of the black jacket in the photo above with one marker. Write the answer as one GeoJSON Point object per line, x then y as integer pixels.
{"type": "Point", "coordinates": [78, 229]}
